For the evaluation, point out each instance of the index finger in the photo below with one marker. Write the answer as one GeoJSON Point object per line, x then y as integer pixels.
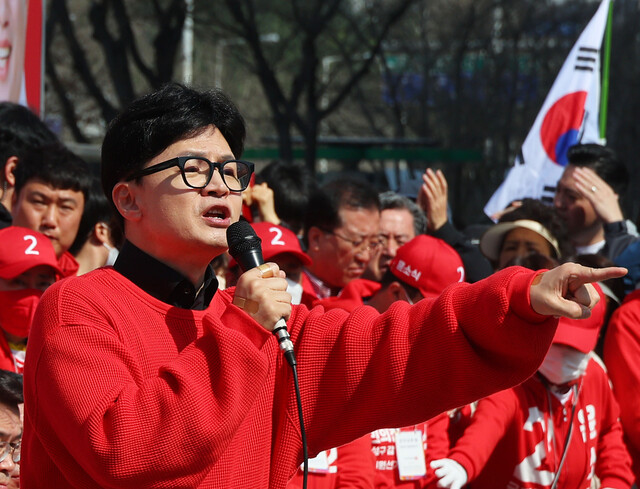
{"type": "Point", "coordinates": [586, 275]}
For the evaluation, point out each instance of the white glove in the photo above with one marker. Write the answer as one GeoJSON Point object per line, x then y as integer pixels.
{"type": "Point", "coordinates": [451, 474]}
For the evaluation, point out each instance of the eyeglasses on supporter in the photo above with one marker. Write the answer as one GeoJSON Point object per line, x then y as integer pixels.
{"type": "Point", "coordinates": [13, 449]}
{"type": "Point", "coordinates": [359, 245]}
{"type": "Point", "coordinates": [197, 171]}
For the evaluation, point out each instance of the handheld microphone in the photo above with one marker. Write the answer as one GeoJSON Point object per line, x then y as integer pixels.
{"type": "Point", "coordinates": [245, 248]}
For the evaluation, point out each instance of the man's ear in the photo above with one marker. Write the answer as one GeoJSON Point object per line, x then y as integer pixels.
{"type": "Point", "coordinates": [397, 292]}
{"type": "Point", "coordinates": [124, 198]}
{"type": "Point", "coordinates": [102, 233]}
{"type": "Point", "coordinates": [9, 170]}
{"type": "Point", "coordinates": [313, 238]}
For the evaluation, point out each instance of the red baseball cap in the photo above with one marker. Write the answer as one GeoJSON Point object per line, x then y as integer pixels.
{"type": "Point", "coordinates": [276, 240]}
{"type": "Point", "coordinates": [22, 249]}
{"type": "Point", "coordinates": [428, 264]}
{"type": "Point", "coordinates": [582, 334]}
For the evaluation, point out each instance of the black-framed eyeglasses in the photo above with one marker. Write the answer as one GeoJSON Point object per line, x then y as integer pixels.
{"type": "Point", "coordinates": [359, 245]}
{"type": "Point", "coordinates": [13, 449]}
{"type": "Point", "coordinates": [197, 171]}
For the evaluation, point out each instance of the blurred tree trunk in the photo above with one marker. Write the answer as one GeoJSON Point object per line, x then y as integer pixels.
{"type": "Point", "coordinates": [127, 71]}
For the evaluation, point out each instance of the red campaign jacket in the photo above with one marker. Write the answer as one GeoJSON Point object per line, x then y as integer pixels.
{"type": "Point", "coordinates": [435, 443]}
{"type": "Point", "coordinates": [516, 439]}
{"type": "Point", "coordinates": [351, 466]}
{"type": "Point", "coordinates": [459, 419]}
{"type": "Point", "coordinates": [622, 357]}
{"type": "Point", "coordinates": [123, 390]}
{"type": "Point", "coordinates": [351, 296]}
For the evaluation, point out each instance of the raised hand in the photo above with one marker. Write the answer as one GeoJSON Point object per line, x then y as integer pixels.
{"type": "Point", "coordinates": [433, 198]}
{"type": "Point", "coordinates": [262, 196]}
{"type": "Point", "coordinates": [598, 192]}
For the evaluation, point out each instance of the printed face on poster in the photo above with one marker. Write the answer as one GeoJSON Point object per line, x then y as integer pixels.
{"type": "Point", "coordinates": [21, 52]}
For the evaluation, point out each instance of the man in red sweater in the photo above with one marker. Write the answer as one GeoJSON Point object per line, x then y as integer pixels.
{"type": "Point", "coordinates": [145, 375]}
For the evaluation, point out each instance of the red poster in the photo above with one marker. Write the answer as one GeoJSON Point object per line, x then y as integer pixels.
{"type": "Point", "coordinates": [21, 51]}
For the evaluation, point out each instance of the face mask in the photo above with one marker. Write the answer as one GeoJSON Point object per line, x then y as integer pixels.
{"type": "Point", "coordinates": [295, 289]}
{"type": "Point", "coordinates": [562, 365]}
{"type": "Point", "coordinates": [17, 308]}
{"type": "Point", "coordinates": [113, 254]}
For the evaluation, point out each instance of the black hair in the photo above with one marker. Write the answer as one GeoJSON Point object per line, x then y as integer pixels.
{"type": "Point", "coordinates": [11, 391]}
{"type": "Point", "coordinates": [157, 120]}
{"type": "Point", "coordinates": [292, 185]}
{"type": "Point", "coordinates": [388, 278]}
{"type": "Point", "coordinates": [21, 130]}
{"type": "Point", "coordinates": [326, 202]}
{"type": "Point", "coordinates": [54, 165]}
{"type": "Point", "coordinates": [602, 160]}
{"type": "Point", "coordinates": [393, 200]}
{"type": "Point", "coordinates": [96, 209]}
{"type": "Point", "coordinates": [536, 210]}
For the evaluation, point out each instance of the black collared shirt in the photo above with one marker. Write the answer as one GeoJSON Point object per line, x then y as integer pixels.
{"type": "Point", "coordinates": [163, 282]}
{"type": "Point", "coordinates": [5, 217]}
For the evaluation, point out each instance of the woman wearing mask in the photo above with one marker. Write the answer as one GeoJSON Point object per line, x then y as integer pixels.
{"type": "Point", "coordinates": [559, 429]}
{"type": "Point", "coordinates": [28, 266]}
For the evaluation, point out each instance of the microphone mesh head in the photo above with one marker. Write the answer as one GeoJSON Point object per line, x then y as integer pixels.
{"type": "Point", "coordinates": [241, 237]}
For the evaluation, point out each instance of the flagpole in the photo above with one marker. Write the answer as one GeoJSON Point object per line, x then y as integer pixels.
{"type": "Point", "coordinates": [604, 95]}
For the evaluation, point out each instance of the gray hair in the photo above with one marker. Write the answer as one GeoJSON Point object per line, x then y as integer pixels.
{"type": "Point", "coordinates": [393, 200]}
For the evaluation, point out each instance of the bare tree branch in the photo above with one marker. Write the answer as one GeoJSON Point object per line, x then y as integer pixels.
{"type": "Point", "coordinates": [391, 19]}
{"type": "Point", "coordinates": [58, 87]}
{"type": "Point", "coordinates": [58, 13]}
{"type": "Point", "coordinates": [129, 42]}
{"type": "Point", "coordinates": [115, 51]}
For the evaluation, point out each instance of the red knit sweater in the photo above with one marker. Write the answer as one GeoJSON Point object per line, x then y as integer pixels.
{"type": "Point", "coordinates": [350, 466]}
{"type": "Point", "coordinates": [124, 391]}
{"type": "Point", "coordinates": [516, 438]}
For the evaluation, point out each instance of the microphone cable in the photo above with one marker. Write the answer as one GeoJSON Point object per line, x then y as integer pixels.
{"type": "Point", "coordinates": [305, 453]}
{"type": "Point", "coordinates": [280, 331]}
